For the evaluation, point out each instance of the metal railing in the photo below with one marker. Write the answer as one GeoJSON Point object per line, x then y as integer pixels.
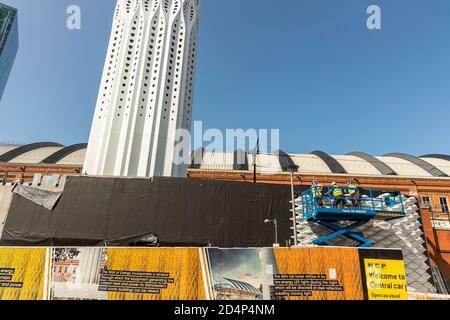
{"type": "Point", "coordinates": [363, 200]}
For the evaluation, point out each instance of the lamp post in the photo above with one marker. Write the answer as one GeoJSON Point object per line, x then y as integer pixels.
{"type": "Point", "coordinates": [275, 226]}
{"type": "Point", "coordinates": [292, 169]}
{"type": "Point", "coordinates": [255, 154]}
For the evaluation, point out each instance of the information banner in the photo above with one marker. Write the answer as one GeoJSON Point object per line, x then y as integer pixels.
{"type": "Point", "coordinates": [128, 274]}
{"type": "Point", "coordinates": [306, 274]}
{"type": "Point", "coordinates": [315, 273]}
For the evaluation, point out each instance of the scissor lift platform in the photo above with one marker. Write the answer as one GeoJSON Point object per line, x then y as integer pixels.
{"type": "Point", "coordinates": [368, 205]}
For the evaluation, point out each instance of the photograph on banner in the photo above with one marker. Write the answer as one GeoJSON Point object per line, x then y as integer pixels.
{"type": "Point", "coordinates": [242, 274]}
{"type": "Point", "coordinates": [127, 274]}
{"type": "Point", "coordinates": [306, 274]}
{"type": "Point", "coordinates": [76, 273]}
{"type": "Point", "coordinates": [23, 273]}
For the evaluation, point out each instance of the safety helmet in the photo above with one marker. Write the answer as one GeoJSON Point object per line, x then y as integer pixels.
{"type": "Point", "coordinates": [333, 183]}
{"type": "Point", "coordinates": [315, 182]}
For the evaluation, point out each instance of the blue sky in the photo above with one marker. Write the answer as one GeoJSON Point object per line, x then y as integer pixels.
{"type": "Point", "coordinates": [308, 67]}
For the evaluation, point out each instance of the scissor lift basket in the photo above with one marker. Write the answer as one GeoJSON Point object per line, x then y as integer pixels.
{"type": "Point", "coordinates": [368, 205]}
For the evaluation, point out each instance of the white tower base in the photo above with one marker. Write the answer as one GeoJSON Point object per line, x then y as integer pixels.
{"type": "Point", "coordinates": [146, 91]}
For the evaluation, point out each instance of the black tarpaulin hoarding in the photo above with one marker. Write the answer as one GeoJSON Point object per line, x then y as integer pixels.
{"type": "Point", "coordinates": [96, 211]}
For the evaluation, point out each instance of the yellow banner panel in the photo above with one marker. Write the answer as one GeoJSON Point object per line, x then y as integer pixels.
{"type": "Point", "coordinates": [339, 268]}
{"type": "Point", "coordinates": [154, 274]}
{"type": "Point", "coordinates": [22, 273]}
{"type": "Point", "coordinates": [386, 279]}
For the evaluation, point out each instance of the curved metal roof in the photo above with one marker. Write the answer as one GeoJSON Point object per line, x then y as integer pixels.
{"type": "Point", "coordinates": [286, 162]}
{"type": "Point", "coordinates": [61, 154]}
{"type": "Point", "coordinates": [4, 148]}
{"type": "Point", "coordinates": [378, 164]}
{"type": "Point", "coordinates": [356, 164]}
{"type": "Point", "coordinates": [8, 156]}
{"type": "Point", "coordinates": [437, 156]}
{"type": "Point", "coordinates": [197, 158]}
{"type": "Point", "coordinates": [435, 172]}
{"type": "Point", "coordinates": [332, 163]}
{"type": "Point", "coordinates": [236, 285]}
{"type": "Point", "coordinates": [309, 163]}
{"type": "Point", "coordinates": [240, 161]}
{"type": "Point", "coordinates": [443, 165]}
{"type": "Point", "coordinates": [318, 162]}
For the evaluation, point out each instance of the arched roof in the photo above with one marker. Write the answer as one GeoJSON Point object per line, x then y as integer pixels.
{"type": "Point", "coordinates": [355, 164]}
{"type": "Point", "coordinates": [442, 164]}
{"type": "Point", "coordinates": [435, 172]}
{"type": "Point", "coordinates": [16, 152]}
{"type": "Point", "coordinates": [318, 162]}
{"type": "Point", "coordinates": [45, 153]}
{"type": "Point", "coordinates": [437, 156]}
{"type": "Point", "coordinates": [332, 163]}
{"type": "Point", "coordinates": [61, 154]}
{"type": "Point", "coordinates": [4, 148]}
{"type": "Point", "coordinates": [215, 160]}
{"type": "Point", "coordinates": [382, 167]}
{"type": "Point", "coordinates": [286, 162]}
{"type": "Point", "coordinates": [236, 285]}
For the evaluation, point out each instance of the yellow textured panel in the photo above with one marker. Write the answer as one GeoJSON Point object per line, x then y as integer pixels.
{"type": "Point", "coordinates": [320, 261]}
{"type": "Point", "coordinates": [182, 264]}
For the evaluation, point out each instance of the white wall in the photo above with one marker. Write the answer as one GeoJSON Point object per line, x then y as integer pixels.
{"type": "Point", "coordinates": [5, 200]}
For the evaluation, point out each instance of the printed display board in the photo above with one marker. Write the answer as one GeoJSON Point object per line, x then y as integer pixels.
{"type": "Point", "coordinates": [202, 274]}
{"type": "Point", "coordinates": [128, 274]}
{"type": "Point", "coordinates": [307, 274]}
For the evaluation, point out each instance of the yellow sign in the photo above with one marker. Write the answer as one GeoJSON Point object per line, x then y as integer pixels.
{"type": "Point", "coordinates": [386, 279]}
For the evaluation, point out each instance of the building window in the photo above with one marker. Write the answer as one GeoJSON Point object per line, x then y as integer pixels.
{"type": "Point", "coordinates": [426, 202]}
{"type": "Point", "coordinates": [444, 204]}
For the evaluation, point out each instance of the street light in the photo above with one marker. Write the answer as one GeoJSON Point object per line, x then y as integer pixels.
{"type": "Point", "coordinates": [292, 169]}
{"type": "Point", "coordinates": [275, 226]}
{"type": "Point", "coordinates": [255, 154]}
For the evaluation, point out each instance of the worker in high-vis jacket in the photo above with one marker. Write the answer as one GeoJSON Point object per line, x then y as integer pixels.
{"type": "Point", "coordinates": [338, 195]}
{"type": "Point", "coordinates": [317, 192]}
{"type": "Point", "coordinates": [353, 192]}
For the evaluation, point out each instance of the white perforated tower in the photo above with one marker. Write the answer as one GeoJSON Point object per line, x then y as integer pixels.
{"type": "Point", "coordinates": [146, 91]}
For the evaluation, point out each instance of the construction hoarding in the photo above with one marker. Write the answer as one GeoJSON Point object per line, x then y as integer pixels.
{"type": "Point", "coordinates": [174, 212]}
{"type": "Point", "coordinates": [202, 274]}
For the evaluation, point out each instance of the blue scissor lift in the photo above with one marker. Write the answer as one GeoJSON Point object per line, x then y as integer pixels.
{"type": "Point", "coordinates": [322, 209]}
